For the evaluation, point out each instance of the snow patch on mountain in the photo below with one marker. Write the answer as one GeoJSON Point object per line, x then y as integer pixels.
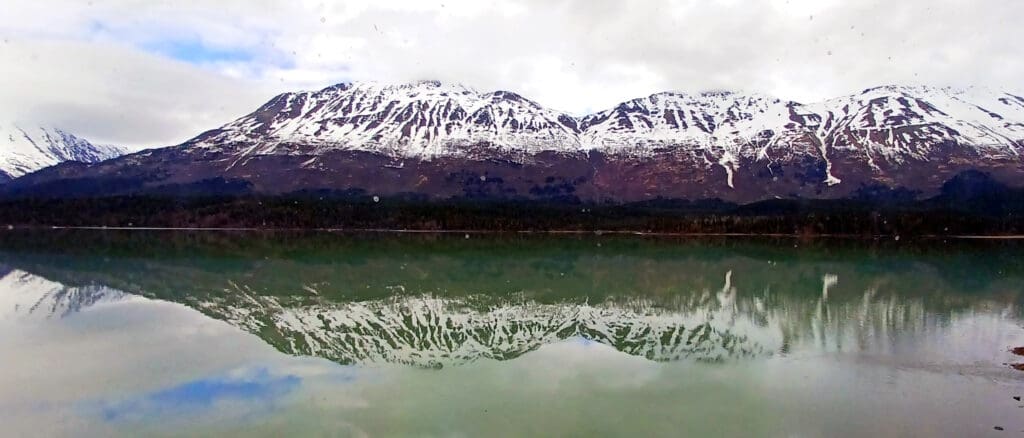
{"type": "Point", "coordinates": [27, 148]}
{"type": "Point", "coordinates": [899, 123]}
{"type": "Point", "coordinates": [716, 120]}
{"type": "Point", "coordinates": [430, 119]}
{"type": "Point", "coordinates": [424, 119]}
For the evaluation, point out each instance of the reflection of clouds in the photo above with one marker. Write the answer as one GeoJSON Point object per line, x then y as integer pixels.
{"type": "Point", "coordinates": [556, 365]}
{"type": "Point", "coordinates": [240, 397]}
{"type": "Point", "coordinates": [67, 342]}
{"type": "Point", "coordinates": [255, 389]}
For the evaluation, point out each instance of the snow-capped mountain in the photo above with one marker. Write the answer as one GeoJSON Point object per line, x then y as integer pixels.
{"type": "Point", "coordinates": [445, 140]}
{"type": "Point", "coordinates": [423, 119]}
{"type": "Point", "coordinates": [699, 121]}
{"type": "Point", "coordinates": [714, 128]}
{"type": "Point", "coordinates": [428, 119]}
{"type": "Point", "coordinates": [27, 148]}
{"type": "Point", "coordinates": [907, 123]}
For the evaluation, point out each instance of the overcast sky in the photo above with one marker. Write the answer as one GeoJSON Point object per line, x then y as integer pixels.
{"type": "Point", "coordinates": [150, 73]}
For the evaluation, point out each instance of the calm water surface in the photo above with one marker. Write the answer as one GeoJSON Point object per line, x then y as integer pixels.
{"type": "Point", "coordinates": [219, 334]}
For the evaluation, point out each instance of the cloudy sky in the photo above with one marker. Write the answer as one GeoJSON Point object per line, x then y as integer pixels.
{"type": "Point", "coordinates": [150, 73]}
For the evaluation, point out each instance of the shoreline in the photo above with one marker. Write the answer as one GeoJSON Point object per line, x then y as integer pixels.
{"type": "Point", "coordinates": [529, 232]}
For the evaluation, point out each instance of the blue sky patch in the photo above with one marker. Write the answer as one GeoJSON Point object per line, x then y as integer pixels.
{"type": "Point", "coordinates": [260, 388]}
{"type": "Point", "coordinates": [196, 52]}
{"type": "Point", "coordinates": [187, 49]}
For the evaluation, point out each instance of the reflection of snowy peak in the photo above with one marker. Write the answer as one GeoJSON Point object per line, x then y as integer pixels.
{"type": "Point", "coordinates": [26, 295]}
{"type": "Point", "coordinates": [796, 313]}
{"type": "Point", "coordinates": [431, 331]}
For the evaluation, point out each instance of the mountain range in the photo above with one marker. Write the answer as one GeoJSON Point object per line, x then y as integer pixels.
{"type": "Point", "coordinates": [28, 148]}
{"type": "Point", "coordinates": [439, 140]}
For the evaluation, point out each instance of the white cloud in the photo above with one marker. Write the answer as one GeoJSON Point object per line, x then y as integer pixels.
{"type": "Point", "coordinates": [113, 94]}
{"type": "Point", "coordinates": [577, 55]}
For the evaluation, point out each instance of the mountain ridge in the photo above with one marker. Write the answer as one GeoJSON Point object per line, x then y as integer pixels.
{"type": "Point", "coordinates": [443, 140]}
{"type": "Point", "coordinates": [429, 119]}
{"type": "Point", "coordinates": [27, 148]}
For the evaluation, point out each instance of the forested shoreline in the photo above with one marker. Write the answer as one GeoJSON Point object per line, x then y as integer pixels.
{"type": "Point", "coordinates": [779, 217]}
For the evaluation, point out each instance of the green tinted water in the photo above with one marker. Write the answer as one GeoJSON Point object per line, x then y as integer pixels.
{"type": "Point", "coordinates": [171, 333]}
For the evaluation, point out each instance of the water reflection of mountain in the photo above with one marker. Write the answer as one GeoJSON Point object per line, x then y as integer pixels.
{"type": "Point", "coordinates": [26, 295]}
{"type": "Point", "coordinates": [432, 331]}
{"type": "Point", "coordinates": [442, 301]}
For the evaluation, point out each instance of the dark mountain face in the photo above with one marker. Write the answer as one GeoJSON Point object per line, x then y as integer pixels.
{"type": "Point", "coordinates": [442, 141]}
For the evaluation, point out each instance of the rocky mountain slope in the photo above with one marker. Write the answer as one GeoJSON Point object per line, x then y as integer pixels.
{"type": "Point", "coordinates": [443, 140]}
{"type": "Point", "coordinates": [25, 149]}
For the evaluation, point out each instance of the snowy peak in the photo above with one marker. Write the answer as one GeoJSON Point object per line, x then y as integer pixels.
{"type": "Point", "coordinates": [910, 122]}
{"type": "Point", "coordinates": [425, 118]}
{"type": "Point", "coordinates": [27, 148]}
{"type": "Point", "coordinates": [671, 119]}
{"type": "Point", "coordinates": [429, 118]}
{"type": "Point", "coordinates": [723, 134]}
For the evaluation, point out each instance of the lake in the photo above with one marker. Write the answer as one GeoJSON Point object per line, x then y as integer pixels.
{"type": "Point", "coordinates": [150, 333]}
